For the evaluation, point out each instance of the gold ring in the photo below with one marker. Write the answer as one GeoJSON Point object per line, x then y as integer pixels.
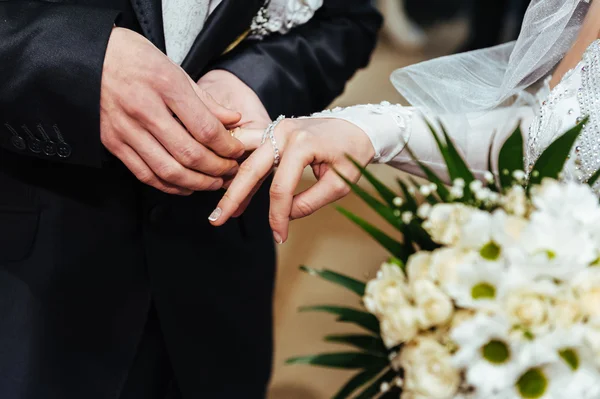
{"type": "Point", "coordinates": [233, 131]}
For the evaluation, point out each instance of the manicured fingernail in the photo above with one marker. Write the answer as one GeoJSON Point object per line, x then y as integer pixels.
{"type": "Point", "coordinates": [215, 215]}
{"type": "Point", "coordinates": [277, 238]}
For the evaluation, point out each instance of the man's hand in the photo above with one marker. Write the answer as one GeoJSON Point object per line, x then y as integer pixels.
{"type": "Point", "coordinates": [155, 119]}
{"type": "Point", "coordinates": [228, 90]}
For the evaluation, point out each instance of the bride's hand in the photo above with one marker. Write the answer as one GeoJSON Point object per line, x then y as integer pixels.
{"type": "Point", "coordinates": [320, 143]}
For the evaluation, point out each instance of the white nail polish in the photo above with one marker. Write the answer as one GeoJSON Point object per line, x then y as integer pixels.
{"type": "Point", "coordinates": [215, 215]}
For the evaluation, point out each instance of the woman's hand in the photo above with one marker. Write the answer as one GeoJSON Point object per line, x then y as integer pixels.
{"type": "Point", "coordinates": [321, 143]}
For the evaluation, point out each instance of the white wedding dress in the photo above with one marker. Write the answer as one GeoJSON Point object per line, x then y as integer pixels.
{"type": "Point", "coordinates": [544, 117]}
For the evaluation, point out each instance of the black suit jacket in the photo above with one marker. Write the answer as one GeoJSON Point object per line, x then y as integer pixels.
{"type": "Point", "coordinates": [85, 248]}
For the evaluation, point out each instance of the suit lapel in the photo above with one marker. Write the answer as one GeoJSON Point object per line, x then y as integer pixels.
{"type": "Point", "coordinates": [230, 20]}
{"type": "Point", "coordinates": [149, 14]}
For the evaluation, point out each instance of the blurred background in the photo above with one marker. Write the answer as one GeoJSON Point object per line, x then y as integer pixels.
{"type": "Point", "coordinates": [414, 31]}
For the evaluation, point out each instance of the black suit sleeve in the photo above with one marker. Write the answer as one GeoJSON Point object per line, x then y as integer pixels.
{"type": "Point", "coordinates": [303, 71]}
{"type": "Point", "coordinates": [51, 59]}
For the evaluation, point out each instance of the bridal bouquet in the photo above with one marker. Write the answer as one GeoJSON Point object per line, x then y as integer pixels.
{"type": "Point", "coordinates": [494, 292]}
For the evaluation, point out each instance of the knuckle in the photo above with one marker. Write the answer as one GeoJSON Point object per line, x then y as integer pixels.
{"type": "Point", "coordinates": [246, 170]}
{"type": "Point", "coordinates": [207, 130]}
{"type": "Point", "coordinates": [169, 172]}
{"type": "Point", "coordinates": [146, 177]}
{"type": "Point", "coordinates": [277, 191]}
{"type": "Point", "coordinates": [275, 219]}
{"type": "Point", "coordinates": [304, 208]}
{"type": "Point", "coordinates": [190, 156]}
{"type": "Point", "coordinates": [340, 188]}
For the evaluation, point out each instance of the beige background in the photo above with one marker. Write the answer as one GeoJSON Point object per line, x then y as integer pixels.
{"type": "Point", "coordinates": [328, 240]}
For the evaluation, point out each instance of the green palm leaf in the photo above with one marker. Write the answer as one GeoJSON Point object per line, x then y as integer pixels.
{"type": "Point", "coordinates": [462, 169]}
{"type": "Point", "coordinates": [442, 190]}
{"type": "Point", "coordinates": [592, 180]}
{"type": "Point", "coordinates": [553, 159]}
{"type": "Point", "coordinates": [395, 248]}
{"type": "Point", "coordinates": [383, 210]}
{"type": "Point", "coordinates": [374, 389]}
{"type": "Point", "coordinates": [387, 194]}
{"type": "Point", "coordinates": [410, 203]}
{"type": "Point", "coordinates": [358, 287]}
{"type": "Point", "coordinates": [368, 343]}
{"type": "Point", "coordinates": [348, 315]}
{"type": "Point", "coordinates": [349, 360]}
{"type": "Point", "coordinates": [357, 381]}
{"type": "Point", "coordinates": [511, 157]}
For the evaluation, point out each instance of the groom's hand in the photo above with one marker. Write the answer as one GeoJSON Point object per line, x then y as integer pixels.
{"type": "Point", "coordinates": [159, 123]}
{"type": "Point", "coordinates": [228, 90]}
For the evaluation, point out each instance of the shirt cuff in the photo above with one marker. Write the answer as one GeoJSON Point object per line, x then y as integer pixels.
{"type": "Point", "coordinates": [388, 126]}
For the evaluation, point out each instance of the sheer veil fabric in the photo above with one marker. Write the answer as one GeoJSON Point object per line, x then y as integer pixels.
{"type": "Point", "coordinates": [472, 83]}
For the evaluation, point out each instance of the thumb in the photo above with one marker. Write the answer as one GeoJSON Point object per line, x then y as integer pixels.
{"type": "Point", "coordinates": [225, 115]}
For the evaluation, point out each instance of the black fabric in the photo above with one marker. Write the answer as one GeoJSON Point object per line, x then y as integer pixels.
{"type": "Point", "coordinates": [85, 248]}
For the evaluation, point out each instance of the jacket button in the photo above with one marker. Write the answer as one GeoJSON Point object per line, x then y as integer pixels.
{"type": "Point", "coordinates": [35, 145]}
{"type": "Point", "coordinates": [18, 142]}
{"type": "Point", "coordinates": [49, 148]}
{"type": "Point", "coordinates": [63, 150]}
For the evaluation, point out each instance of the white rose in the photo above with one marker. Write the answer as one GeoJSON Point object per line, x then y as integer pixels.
{"type": "Point", "coordinates": [417, 266]}
{"type": "Point", "coordinates": [586, 286]}
{"type": "Point", "coordinates": [566, 310]}
{"type": "Point", "coordinates": [428, 370]}
{"type": "Point", "coordinates": [399, 326]}
{"type": "Point", "coordinates": [444, 264]}
{"type": "Point", "coordinates": [530, 308]}
{"type": "Point", "coordinates": [445, 222]}
{"type": "Point", "coordinates": [434, 307]}
{"type": "Point", "coordinates": [387, 291]}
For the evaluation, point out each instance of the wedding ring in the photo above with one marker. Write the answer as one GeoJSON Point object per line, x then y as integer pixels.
{"type": "Point", "coordinates": [270, 134]}
{"type": "Point", "coordinates": [232, 132]}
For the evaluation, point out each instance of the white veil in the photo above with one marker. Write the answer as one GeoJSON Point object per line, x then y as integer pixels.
{"type": "Point", "coordinates": [451, 87]}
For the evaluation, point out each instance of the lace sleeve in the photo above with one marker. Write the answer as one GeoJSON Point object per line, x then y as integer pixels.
{"type": "Point", "coordinates": [392, 127]}
{"type": "Point", "coordinates": [279, 16]}
{"type": "Point", "coordinates": [387, 125]}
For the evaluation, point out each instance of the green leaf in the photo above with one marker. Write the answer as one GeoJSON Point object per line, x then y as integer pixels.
{"type": "Point", "coordinates": [395, 248]}
{"type": "Point", "coordinates": [357, 381]}
{"type": "Point", "coordinates": [511, 157]}
{"type": "Point", "coordinates": [442, 190]}
{"type": "Point", "coordinates": [350, 360]}
{"type": "Point", "coordinates": [410, 203]}
{"type": "Point", "coordinates": [382, 210]}
{"type": "Point", "coordinates": [348, 315]}
{"type": "Point", "coordinates": [592, 180]}
{"type": "Point", "coordinates": [452, 169]}
{"type": "Point", "coordinates": [358, 287]}
{"type": "Point", "coordinates": [374, 389]}
{"type": "Point", "coordinates": [393, 393]}
{"type": "Point", "coordinates": [368, 343]}
{"type": "Point", "coordinates": [387, 194]}
{"type": "Point", "coordinates": [553, 159]}
{"type": "Point", "coordinates": [462, 169]}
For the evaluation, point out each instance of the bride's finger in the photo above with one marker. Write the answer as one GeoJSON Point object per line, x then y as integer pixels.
{"type": "Point", "coordinates": [328, 189]}
{"type": "Point", "coordinates": [251, 171]}
{"type": "Point", "coordinates": [284, 185]}
{"type": "Point", "coordinates": [251, 138]}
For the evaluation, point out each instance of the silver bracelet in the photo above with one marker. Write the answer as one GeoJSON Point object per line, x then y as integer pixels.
{"type": "Point", "coordinates": [270, 134]}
